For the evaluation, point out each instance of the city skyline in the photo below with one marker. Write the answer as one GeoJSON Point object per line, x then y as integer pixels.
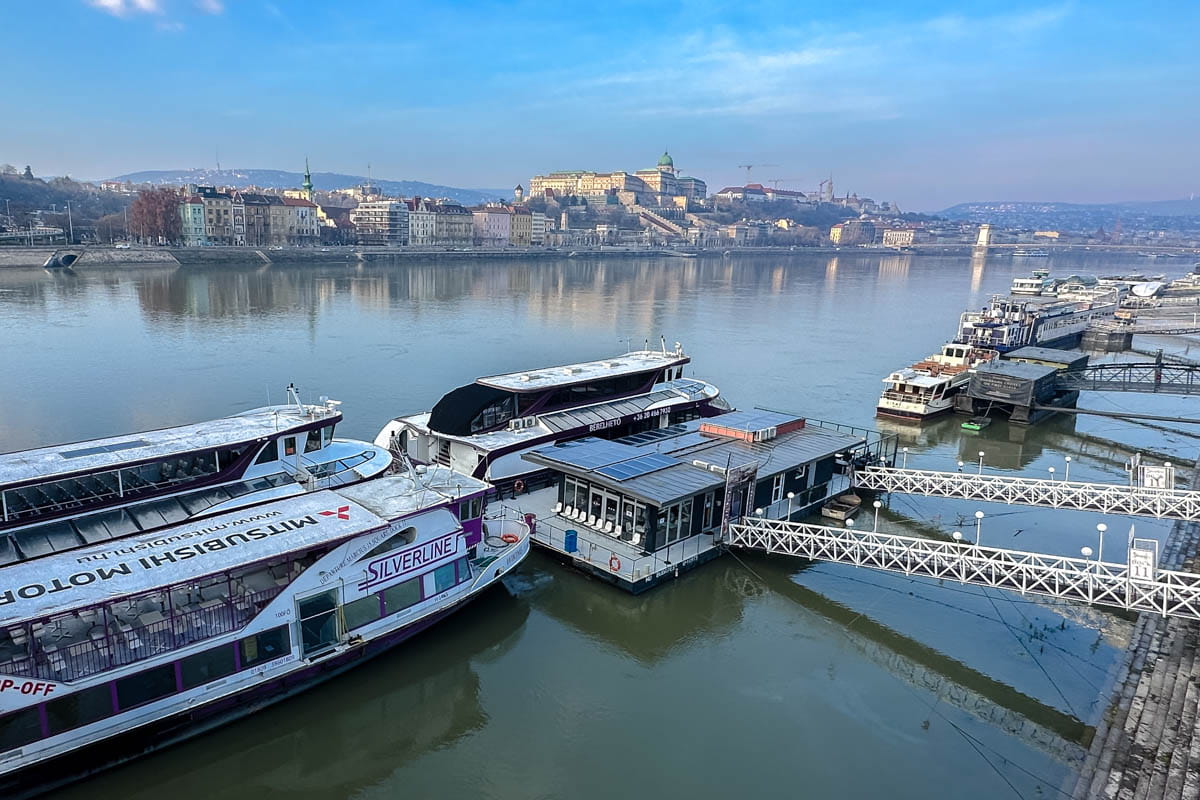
{"type": "Point", "coordinates": [929, 106]}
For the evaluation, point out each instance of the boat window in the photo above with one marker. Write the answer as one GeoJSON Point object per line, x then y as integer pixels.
{"type": "Point", "coordinates": [464, 569]}
{"type": "Point", "coordinates": [289, 446]}
{"type": "Point", "coordinates": [208, 666]}
{"type": "Point", "coordinates": [168, 472]}
{"type": "Point", "coordinates": [328, 433]}
{"type": "Point", "coordinates": [404, 537]}
{"type": "Point", "coordinates": [402, 595]}
{"type": "Point", "coordinates": [19, 728]}
{"type": "Point", "coordinates": [362, 611]}
{"type": "Point", "coordinates": [471, 509]}
{"type": "Point", "coordinates": [65, 494]}
{"type": "Point", "coordinates": [265, 646]}
{"type": "Point", "coordinates": [313, 442]}
{"type": "Point", "coordinates": [78, 709]}
{"type": "Point", "coordinates": [595, 391]}
{"type": "Point", "coordinates": [494, 414]}
{"type": "Point", "coordinates": [267, 454]}
{"type": "Point", "coordinates": [144, 687]}
{"type": "Point", "coordinates": [228, 456]}
{"type": "Point", "coordinates": [444, 577]}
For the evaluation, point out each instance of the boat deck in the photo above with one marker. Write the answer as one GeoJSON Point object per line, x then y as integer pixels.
{"type": "Point", "coordinates": [613, 559]}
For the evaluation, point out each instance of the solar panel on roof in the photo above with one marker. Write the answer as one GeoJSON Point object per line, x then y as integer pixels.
{"type": "Point", "coordinates": [649, 436]}
{"type": "Point", "coordinates": [104, 448]}
{"type": "Point", "coordinates": [589, 453]}
{"type": "Point", "coordinates": [635, 467]}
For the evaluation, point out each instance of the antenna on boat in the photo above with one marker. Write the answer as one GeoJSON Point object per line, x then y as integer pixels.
{"type": "Point", "coordinates": [663, 339]}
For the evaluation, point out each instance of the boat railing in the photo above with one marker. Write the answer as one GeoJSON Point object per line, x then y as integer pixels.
{"type": "Point", "coordinates": [115, 640]}
{"type": "Point", "coordinates": [908, 397]}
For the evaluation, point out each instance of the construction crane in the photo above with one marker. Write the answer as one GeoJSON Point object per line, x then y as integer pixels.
{"type": "Point", "coordinates": [821, 189]}
{"type": "Point", "coordinates": [749, 167]}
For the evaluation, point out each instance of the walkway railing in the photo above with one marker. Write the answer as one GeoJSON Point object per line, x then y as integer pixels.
{"type": "Point", "coordinates": [1154, 377]}
{"type": "Point", "coordinates": [1106, 497]}
{"type": "Point", "coordinates": [1138, 586]}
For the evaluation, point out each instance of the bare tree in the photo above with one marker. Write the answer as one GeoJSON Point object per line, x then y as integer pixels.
{"type": "Point", "coordinates": [154, 216]}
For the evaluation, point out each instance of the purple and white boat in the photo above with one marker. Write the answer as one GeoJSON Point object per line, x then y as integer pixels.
{"type": "Point", "coordinates": [119, 648]}
{"type": "Point", "coordinates": [55, 499]}
{"type": "Point", "coordinates": [484, 428]}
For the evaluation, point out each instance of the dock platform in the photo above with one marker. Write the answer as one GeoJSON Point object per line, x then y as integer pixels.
{"type": "Point", "coordinates": [603, 555]}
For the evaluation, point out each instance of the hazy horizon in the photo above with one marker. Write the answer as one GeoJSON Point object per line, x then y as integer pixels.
{"type": "Point", "coordinates": [929, 106]}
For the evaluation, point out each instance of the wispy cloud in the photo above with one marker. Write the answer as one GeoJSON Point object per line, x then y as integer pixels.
{"type": "Point", "coordinates": [211, 6]}
{"type": "Point", "coordinates": [800, 71]}
{"type": "Point", "coordinates": [121, 8]}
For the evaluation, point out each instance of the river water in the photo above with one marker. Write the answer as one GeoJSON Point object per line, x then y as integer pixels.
{"type": "Point", "coordinates": [748, 678]}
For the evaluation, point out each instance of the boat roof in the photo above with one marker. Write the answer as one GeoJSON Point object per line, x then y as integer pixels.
{"type": "Point", "coordinates": [665, 465]}
{"type": "Point", "coordinates": [915, 378]}
{"type": "Point", "coordinates": [585, 371]}
{"type": "Point", "coordinates": [113, 451]}
{"type": "Point", "coordinates": [168, 556]}
{"type": "Point", "coordinates": [665, 394]}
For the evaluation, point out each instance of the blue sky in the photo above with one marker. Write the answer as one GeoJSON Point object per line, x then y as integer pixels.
{"type": "Point", "coordinates": [924, 103]}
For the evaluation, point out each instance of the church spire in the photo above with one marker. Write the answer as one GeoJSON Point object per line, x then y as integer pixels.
{"type": "Point", "coordinates": [307, 185]}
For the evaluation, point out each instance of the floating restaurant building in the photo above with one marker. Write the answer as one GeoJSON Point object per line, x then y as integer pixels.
{"type": "Point", "coordinates": [640, 509]}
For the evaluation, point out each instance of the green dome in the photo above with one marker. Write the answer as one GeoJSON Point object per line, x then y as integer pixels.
{"type": "Point", "coordinates": [665, 160]}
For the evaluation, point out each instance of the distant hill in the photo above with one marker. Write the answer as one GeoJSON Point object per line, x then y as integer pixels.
{"type": "Point", "coordinates": [324, 181]}
{"type": "Point", "coordinates": [1156, 208]}
{"type": "Point", "coordinates": [1175, 216]}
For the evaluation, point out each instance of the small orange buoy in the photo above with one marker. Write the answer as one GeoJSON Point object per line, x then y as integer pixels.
{"type": "Point", "coordinates": [614, 564]}
{"type": "Point", "coordinates": [510, 538]}
{"type": "Point", "coordinates": [518, 486]}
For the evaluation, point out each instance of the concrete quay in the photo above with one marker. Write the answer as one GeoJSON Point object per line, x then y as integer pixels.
{"type": "Point", "coordinates": [1148, 743]}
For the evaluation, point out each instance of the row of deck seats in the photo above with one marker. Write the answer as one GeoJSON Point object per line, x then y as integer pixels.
{"type": "Point", "coordinates": [581, 517]}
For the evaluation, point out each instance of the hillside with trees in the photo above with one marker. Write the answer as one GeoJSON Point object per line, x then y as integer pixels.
{"type": "Point", "coordinates": [23, 195]}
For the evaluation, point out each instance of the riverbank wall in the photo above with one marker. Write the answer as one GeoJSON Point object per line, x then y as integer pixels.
{"type": "Point", "coordinates": [1147, 745]}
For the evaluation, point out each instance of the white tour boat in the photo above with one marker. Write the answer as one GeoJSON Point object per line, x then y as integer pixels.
{"type": "Point", "coordinates": [59, 498]}
{"type": "Point", "coordinates": [119, 648]}
{"type": "Point", "coordinates": [485, 427]}
{"type": "Point", "coordinates": [927, 388]}
{"type": "Point", "coordinates": [1033, 285]}
{"type": "Point", "coordinates": [1007, 324]}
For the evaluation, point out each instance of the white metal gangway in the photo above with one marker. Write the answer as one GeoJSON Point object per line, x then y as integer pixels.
{"type": "Point", "coordinates": [1110, 498]}
{"type": "Point", "coordinates": [1138, 585]}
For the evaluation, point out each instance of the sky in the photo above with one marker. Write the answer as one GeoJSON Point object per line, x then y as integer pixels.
{"type": "Point", "coordinates": [923, 103]}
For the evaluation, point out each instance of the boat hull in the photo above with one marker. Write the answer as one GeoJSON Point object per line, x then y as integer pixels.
{"type": "Point", "coordinates": [911, 416]}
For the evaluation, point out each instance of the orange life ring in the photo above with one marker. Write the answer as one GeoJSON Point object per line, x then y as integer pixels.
{"type": "Point", "coordinates": [614, 564]}
{"type": "Point", "coordinates": [510, 538]}
{"type": "Point", "coordinates": [518, 486]}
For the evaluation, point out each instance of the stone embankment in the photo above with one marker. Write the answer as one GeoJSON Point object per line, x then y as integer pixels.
{"type": "Point", "coordinates": [36, 257]}
{"type": "Point", "coordinates": [1148, 743]}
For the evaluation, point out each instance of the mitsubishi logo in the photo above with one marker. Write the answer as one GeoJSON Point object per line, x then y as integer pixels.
{"type": "Point", "coordinates": [343, 512]}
